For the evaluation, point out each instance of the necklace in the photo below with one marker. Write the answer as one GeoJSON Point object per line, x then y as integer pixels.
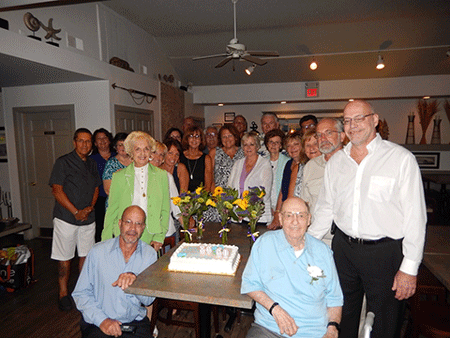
{"type": "Point", "coordinates": [191, 172]}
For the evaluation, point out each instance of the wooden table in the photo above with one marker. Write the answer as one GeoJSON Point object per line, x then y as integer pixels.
{"type": "Point", "coordinates": [437, 253]}
{"type": "Point", "coordinates": [157, 281]}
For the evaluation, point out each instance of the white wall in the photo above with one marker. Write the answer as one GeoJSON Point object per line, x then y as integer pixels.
{"type": "Point", "coordinates": [395, 112]}
{"type": "Point", "coordinates": [103, 32]}
{"type": "Point", "coordinates": [89, 112]}
{"type": "Point", "coordinates": [4, 178]}
{"type": "Point", "coordinates": [399, 99]}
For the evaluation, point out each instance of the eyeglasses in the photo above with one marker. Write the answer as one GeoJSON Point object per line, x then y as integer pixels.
{"type": "Point", "coordinates": [130, 222]}
{"type": "Point", "coordinates": [194, 136]}
{"type": "Point", "coordinates": [291, 215]}
{"type": "Point", "coordinates": [326, 133]}
{"type": "Point", "coordinates": [84, 141]}
{"type": "Point", "coordinates": [309, 126]}
{"type": "Point", "coordinates": [357, 119]}
{"type": "Point", "coordinates": [210, 134]}
{"type": "Point", "coordinates": [274, 143]}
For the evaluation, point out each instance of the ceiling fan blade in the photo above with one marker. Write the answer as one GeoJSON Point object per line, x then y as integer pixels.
{"type": "Point", "coordinates": [252, 59]}
{"type": "Point", "coordinates": [209, 56]}
{"type": "Point", "coordinates": [263, 53]}
{"type": "Point", "coordinates": [224, 62]}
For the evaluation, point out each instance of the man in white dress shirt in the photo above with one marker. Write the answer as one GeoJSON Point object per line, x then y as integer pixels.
{"type": "Point", "coordinates": [373, 192]}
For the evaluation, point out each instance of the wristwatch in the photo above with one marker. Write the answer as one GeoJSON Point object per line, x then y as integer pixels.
{"type": "Point", "coordinates": [335, 324]}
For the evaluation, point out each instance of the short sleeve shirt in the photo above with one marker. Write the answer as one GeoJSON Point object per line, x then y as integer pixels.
{"type": "Point", "coordinates": [79, 179]}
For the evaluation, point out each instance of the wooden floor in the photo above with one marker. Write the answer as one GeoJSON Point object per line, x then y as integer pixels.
{"type": "Point", "coordinates": [33, 312]}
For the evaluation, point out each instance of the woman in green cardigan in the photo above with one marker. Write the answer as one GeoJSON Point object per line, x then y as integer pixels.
{"type": "Point", "coordinates": [140, 184]}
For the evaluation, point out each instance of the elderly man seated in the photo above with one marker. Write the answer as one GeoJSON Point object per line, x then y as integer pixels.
{"type": "Point", "coordinates": [111, 266]}
{"type": "Point", "coordinates": [293, 279]}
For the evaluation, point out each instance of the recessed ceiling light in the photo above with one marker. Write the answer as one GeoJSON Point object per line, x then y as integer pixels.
{"type": "Point", "coordinates": [313, 65]}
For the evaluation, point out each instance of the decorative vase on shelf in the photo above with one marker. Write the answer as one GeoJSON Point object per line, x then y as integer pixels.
{"type": "Point", "coordinates": [410, 136]}
{"type": "Point", "coordinates": [436, 136]}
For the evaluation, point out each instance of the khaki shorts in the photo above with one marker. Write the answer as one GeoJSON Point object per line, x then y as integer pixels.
{"type": "Point", "coordinates": [67, 237]}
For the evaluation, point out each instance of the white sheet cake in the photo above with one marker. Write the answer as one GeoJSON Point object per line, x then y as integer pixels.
{"type": "Point", "coordinates": [205, 258]}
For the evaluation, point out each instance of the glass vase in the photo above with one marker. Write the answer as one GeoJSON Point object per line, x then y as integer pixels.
{"type": "Point", "coordinates": [187, 233]}
{"type": "Point", "coordinates": [200, 229]}
{"type": "Point", "coordinates": [224, 231]}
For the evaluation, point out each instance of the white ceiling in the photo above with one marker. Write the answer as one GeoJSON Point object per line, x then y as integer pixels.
{"type": "Point", "coordinates": [297, 29]}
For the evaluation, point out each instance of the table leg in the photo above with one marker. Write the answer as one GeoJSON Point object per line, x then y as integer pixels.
{"type": "Point", "coordinates": [205, 320]}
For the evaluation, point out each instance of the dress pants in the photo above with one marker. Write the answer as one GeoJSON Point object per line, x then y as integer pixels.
{"type": "Point", "coordinates": [370, 269]}
{"type": "Point", "coordinates": [142, 330]}
{"type": "Point", "coordinates": [100, 211]}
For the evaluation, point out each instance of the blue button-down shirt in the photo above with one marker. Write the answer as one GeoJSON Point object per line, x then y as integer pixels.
{"type": "Point", "coordinates": [94, 294]}
{"type": "Point", "coordinates": [274, 269]}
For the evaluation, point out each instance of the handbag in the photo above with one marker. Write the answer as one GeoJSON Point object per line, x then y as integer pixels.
{"type": "Point", "coordinates": [16, 267]}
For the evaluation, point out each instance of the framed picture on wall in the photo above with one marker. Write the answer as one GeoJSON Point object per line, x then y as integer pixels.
{"type": "Point", "coordinates": [3, 154]}
{"type": "Point", "coordinates": [427, 160]}
{"type": "Point", "coordinates": [229, 116]}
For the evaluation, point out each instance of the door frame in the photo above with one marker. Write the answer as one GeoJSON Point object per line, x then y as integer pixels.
{"type": "Point", "coordinates": [22, 161]}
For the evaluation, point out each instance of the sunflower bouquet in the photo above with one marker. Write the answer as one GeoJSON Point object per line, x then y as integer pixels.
{"type": "Point", "coordinates": [251, 205]}
{"type": "Point", "coordinates": [191, 203]}
{"type": "Point", "coordinates": [223, 200]}
{"type": "Point", "coordinates": [201, 198]}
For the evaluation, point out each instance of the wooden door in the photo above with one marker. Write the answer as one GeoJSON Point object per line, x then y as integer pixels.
{"type": "Point", "coordinates": [46, 136]}
{"type": "Point", "coordinates": [131, 119]}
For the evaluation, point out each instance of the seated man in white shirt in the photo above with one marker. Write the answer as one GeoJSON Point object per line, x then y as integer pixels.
{"type": "Point", "coordinates": [112, 266]}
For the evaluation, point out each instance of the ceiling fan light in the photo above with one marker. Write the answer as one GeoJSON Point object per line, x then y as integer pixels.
{"type": "Point", "coordinates": [380, 62]}
{"type": "Point", "coordinates": [313, 65]}
{"type": "Point", "coordinates": [250, 70]}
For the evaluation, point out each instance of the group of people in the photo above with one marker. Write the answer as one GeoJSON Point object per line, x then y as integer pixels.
{"type": "Point", "coordinates": [364, 198]}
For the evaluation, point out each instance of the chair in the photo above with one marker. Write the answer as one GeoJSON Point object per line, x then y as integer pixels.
{"type": "Point", "coordinates": [172, 304]}
{"type": "Point", "coordinates": [429, 310]}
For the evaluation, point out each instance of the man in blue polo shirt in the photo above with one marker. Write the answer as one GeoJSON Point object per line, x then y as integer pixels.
{"type": "Point", "coordinates": [111, 266]}
{"type": "Point", "coordinates": [293, 279]}
{"type": "Point", "coordinates": [74, 181]}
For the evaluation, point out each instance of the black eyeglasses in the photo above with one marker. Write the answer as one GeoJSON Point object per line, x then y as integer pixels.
{"type": "Point", "coordinates": [357, 119]}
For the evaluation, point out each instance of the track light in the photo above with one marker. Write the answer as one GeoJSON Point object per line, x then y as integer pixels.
{"type": "Point", "coordinates": [250, 69]}
{"type": "Point", "coordinates": [313, 65]}
{"type": "Point", "coordinates": [380, 62]}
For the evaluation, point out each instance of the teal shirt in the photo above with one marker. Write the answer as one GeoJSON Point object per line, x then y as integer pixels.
{"type": "Point", "coordinates": [158, 203]}
{"type": "Point", "coordinates": [274, 269]}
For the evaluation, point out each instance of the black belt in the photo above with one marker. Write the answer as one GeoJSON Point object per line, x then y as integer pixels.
{"type": "Point", "coordinates": [364, 241]}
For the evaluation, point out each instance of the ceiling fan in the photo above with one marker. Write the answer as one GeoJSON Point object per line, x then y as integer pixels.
{"type": "Point", "coordinates": [237, 51]}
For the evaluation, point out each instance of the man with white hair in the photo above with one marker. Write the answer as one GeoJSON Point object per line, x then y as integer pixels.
{"type": "Point", "coordinates": [293, 279]}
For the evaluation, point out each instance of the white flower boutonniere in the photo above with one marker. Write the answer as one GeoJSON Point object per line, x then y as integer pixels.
{"type": "Point", "coordinates": [315, 272]}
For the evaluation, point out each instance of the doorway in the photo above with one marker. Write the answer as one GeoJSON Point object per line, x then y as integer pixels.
{"type": "Point", "coordinates": [130, 119]}
{"type": "Point", "coordinates": [42, 135]}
